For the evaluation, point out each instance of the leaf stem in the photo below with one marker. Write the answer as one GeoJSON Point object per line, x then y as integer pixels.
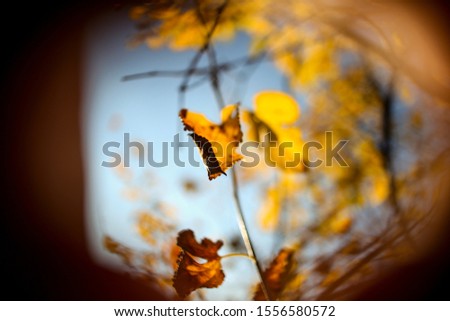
{"type": "Point", "coordinates": [245, 235]}
{"type": "Point", "coordinates": [238, 255]}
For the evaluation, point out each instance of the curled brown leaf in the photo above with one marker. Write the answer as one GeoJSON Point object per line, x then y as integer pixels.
{"type": "Point", "coordinates": [190, 274]}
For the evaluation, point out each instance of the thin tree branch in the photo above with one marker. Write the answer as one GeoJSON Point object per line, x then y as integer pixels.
{"type": "Point", "coordinates": [245, 236]}
{"type": "Point", "coordinates": [238, 255]}
{"type": "Point", "coordinates": [214, 77]}
{"type": "Point", "coordinates": [195, 71]}
{"type": "Point", "coordinates": [164, 73]}
{"type": "Point", "coordinates": [215, 84]}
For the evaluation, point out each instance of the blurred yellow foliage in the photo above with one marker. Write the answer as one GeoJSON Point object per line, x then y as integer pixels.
{"type": "Point", "coordinates": [149, 225]}
{"type": "Point", "coordinates": [274, 122]}
{"type": "Point", "coordinates": [308, 67]}
{"type": "Point", "coordinates": [182, 26]}
{"type": "Point", "coordinates": [275, 199]}
{"type": "Point", "coordinates": [340, 223]}
{"type": "Point", "coordinates": [270, 209]}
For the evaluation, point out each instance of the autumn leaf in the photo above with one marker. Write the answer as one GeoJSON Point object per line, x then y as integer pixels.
{"type": "Point", "coordinates": [276, 108]}
{"type": "Point", "coordinates": [274, 118]}
{"type": "Point", "coordinates": [217, 143]}
{"type": "Point", "coordinates": [276, 275]}
{"type": "Point", "coordinates": [192, 275]}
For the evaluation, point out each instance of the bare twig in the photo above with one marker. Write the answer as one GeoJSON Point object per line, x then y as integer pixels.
{"type": "Point", "coordinates": [202, 50]}
{"type": "Point", "coordinates": [196, 71]}
{"type": "Point", "coordinates": [238, 255]}
{"type": "Point", "coordinates": [246, 237]}
{"type": "Point", "coordinates": [215, 84]}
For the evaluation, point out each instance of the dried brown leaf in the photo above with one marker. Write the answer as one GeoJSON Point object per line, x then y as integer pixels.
{"type": "Point", "coordinates": [191, 275]}
{"type": "Point", "coordinates": [276, 275]}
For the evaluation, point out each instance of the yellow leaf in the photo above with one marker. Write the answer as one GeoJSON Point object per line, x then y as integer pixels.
{"type": "Point", "coordinates": [276, 108]}
{"type": "Point", "coordinates": [217, 143]}
{"type": "Point", "coordinates": [275, 116]}
{"type": "Point", "coordinates": [288, 152]}
{"type": "Point", "coordinates": [191, 275]}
